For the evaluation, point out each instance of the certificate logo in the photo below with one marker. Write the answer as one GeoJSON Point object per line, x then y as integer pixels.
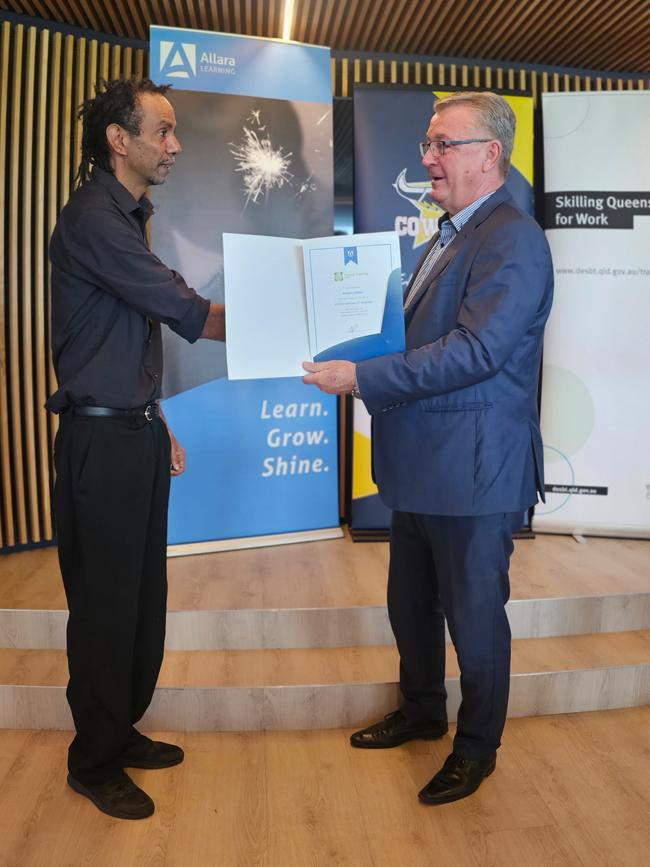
{"type": "Point", "coordinates": [177, 59]}
{"type": "Point", "coordinates": [351, 254]}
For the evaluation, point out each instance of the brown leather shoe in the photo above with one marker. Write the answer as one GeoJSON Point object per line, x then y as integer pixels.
{"type": "Point", "coordinates": [457, 779]}
{"type": "Point", "coordinates": [396, 729]}
{"type": "Point", "coordinates": [150, 754]}
{"type": "Point", "coordinates": [119, 797]}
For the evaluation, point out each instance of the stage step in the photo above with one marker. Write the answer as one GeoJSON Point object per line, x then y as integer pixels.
{"type": "Point", "coordinates": [298, 637]}
{"type": "Point", "coordinates": [332, 687]}
{"type": "Point", "coordinates": [253, 629]}
{"type": "Point", "coordinates": [332, 594]}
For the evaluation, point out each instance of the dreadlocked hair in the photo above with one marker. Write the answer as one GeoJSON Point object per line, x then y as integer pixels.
{"type": "Point", "coordinates": [116, 101]}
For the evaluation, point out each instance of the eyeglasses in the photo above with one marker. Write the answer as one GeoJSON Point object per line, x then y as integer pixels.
{"type": "Point", "coordinates": [437, 148]}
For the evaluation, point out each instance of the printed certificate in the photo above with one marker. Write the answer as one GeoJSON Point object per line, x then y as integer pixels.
{"type": "Point", "coordinates": [345, 286]}
{"type": "Point", "coordinates": [289, 301]}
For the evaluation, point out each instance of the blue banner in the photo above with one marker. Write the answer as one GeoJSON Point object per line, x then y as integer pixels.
{"type": "Point", "coordinates": [227, 63]}
{"type": "Point", "coordinates": [255, 121]}
{"type": "Point", "coordinates": [262, 459]}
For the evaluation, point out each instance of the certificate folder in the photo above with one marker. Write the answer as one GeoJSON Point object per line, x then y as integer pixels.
{"type": "Point", "coordinates": [291, 300]}
{"type": "Point", "coordinates": [390, 338]}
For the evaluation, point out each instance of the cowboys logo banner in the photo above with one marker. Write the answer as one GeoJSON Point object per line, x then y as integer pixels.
{"type": "Point", "coordinates": [255, 121]}
{"type": "Point", "coordinates": [392, 191]}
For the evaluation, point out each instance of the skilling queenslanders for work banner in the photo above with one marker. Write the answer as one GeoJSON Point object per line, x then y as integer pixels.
{"type": "Point", "coordinates": [595, 412]}
{"type": "Point", "coordinates": [604, 210]}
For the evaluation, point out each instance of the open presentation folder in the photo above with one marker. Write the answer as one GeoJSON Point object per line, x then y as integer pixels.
{"type": "Point", "coordinates": [291, 300]}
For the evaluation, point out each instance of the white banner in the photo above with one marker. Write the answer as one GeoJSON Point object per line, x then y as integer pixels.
{"type": "Point", "coordinates": [595, 388]}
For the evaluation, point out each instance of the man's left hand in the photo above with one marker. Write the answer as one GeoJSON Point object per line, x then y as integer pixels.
{"type": "Point", "coordinates": [177, 456]}
{"type": "Point", "coordinates": [177, 452]}
{"type": "Point", "coordinates": [332, 377]}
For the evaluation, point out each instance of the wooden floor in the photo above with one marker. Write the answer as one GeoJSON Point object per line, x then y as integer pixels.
{"type": "Point", "coordinates": [569, 790]}
{"type": "Point", "coordinates": [338, 573]}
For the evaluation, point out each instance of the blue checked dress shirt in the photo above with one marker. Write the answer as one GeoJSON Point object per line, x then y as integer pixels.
{"type": "Point", "coordinates": [448, 228]}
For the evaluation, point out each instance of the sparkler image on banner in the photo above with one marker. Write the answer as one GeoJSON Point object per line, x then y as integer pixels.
{"type": "Point", "coordinates": [262, 166]}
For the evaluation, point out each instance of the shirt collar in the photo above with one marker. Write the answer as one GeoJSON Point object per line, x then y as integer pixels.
{"type": "Point", "coordinates": [123, 198]}
{"type": "Point", "coordinates": [459, 219]}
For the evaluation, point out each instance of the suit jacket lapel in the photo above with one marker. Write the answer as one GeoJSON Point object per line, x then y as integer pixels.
{"type": "Point", "coordinates": [441, 263]}
{"type": "Point", "coordinates": [453, 247]}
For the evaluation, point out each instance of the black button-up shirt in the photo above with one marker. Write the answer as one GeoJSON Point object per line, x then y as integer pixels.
{"type": "Point", "coordinates": [109, 295]}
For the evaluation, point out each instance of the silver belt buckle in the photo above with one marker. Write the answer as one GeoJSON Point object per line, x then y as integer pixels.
{"type": "Point", "coordinates": [149, 413]}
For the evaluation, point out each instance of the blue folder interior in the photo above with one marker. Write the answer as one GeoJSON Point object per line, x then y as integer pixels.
{"type": "Point", "coordinates": [391, 338]}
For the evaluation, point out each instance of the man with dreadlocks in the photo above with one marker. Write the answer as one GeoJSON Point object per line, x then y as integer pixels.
{"type": "Point", "coordinates": [113, 452]}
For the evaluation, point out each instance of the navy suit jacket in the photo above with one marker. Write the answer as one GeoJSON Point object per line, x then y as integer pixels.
{"type": "Point", "coordinates": [455, 421]}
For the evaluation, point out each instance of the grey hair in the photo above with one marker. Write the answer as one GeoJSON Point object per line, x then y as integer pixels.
{"type": "Point", "coordinates": [494, 115]}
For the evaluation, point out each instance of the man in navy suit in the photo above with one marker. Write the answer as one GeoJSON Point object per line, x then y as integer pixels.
{"type": "Point", "coordinates": [457, 452]}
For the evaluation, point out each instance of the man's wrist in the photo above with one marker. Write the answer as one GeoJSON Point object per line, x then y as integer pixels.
{"type": "Point", "coordinates": [214, 327]}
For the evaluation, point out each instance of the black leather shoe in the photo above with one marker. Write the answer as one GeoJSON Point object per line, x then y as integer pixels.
{"type": "Point", "coordinates": [457, 779]}
{"type": "Point", "coordinates": [396, 729]}
{"type": "Point", "coordinates": [150, 754]}
{"type": "Point", "coordinates": [119, 797]}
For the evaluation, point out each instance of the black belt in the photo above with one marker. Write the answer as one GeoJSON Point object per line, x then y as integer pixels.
{"type": "Point", "coordinates": [150, 411]}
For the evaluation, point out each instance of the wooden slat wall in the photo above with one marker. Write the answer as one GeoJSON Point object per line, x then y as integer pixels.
{"type": "Point", "coordinates": [6, 499]}
{"type": "Point", "coordinates": [131, 18]}
{"type": "Point", "coordinates": [349, 70]}
{"type": "Point", "coordinates": [587, 34]}
{"type": "Point", "coordinates": [44, 75]}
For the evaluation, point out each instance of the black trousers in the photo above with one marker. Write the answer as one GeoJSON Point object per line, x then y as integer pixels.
{"type": "Point", "coordinates": [454, 568]}
{"type": "Point", "coordinates": [110, 505]}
